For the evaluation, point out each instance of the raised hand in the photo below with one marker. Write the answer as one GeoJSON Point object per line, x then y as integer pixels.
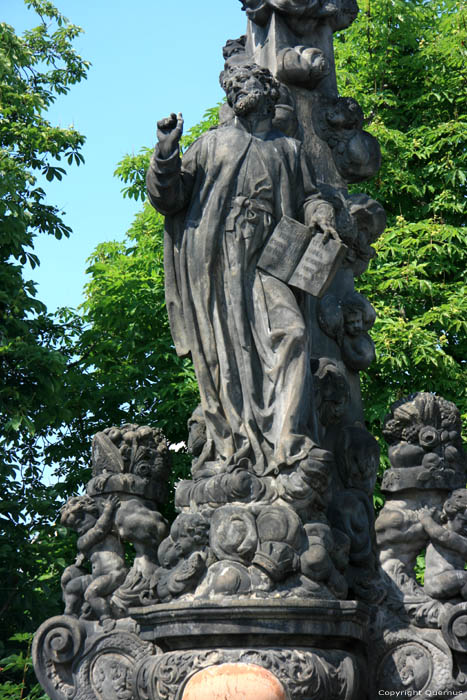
{"type": "Point", "coordinates": [169, 131]}
{"type": "Point", "coordinates": [111, 503]}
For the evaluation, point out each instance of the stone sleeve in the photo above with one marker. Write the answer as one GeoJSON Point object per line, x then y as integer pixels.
{"type": "Point", "coordinates": [170, 183]}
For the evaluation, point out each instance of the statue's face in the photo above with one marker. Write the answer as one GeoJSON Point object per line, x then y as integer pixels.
{"type": "Point", "coordinates": [333, 408]}
{"type": "Point", "coordinates": [80, 520]}
{"type": "Point", "coordinates": [459, 523]}
{"type": "Point", "coordinates": [413, 668]}
{"type": "Point", "coordinates": [184, 542]}
{"type": "Point", "coordinates": [245, 93]}
{"type": "Point", "coordinates": [353, 322]}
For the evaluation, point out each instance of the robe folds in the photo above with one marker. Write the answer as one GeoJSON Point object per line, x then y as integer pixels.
{"type": "Point", "coordinates": [244, 329]}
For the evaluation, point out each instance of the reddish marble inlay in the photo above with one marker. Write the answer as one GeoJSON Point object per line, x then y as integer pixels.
{"type": "Point", "coordinates": [234, 681]}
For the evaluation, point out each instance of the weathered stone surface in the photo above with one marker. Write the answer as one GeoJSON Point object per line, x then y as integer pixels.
{"type": "Point", "coordinates": [291, 623]}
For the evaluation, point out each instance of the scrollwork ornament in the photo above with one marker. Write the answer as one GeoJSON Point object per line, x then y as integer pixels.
{"type": "Point", "coordinates": [57, 644]}
{"type": "Point", "coordinates": [159, 677]}
{"type": "Point", "coordinates": [454, 627]}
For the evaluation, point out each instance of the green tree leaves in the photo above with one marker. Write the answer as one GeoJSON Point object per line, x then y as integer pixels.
{"type": "Point", "coordinates": [405, 62]}
{"type": "Point", "coordinates": [35, 348]}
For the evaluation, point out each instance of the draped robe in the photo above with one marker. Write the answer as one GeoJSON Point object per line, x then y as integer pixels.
{"type": "Point", "coordinates": [243, 328]}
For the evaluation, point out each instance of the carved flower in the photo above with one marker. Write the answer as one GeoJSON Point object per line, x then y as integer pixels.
{"type": "Point", "coordinates": [233, 534]}
{"type": "Point", "coordinates": [428, 436]}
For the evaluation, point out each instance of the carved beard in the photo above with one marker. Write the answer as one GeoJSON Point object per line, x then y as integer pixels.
{"type": "Point", "coordinates": [244, 104]}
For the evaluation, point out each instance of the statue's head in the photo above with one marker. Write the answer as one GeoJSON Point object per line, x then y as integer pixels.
{"type": "Point", "coordinates": [189, 532]}
{"type": "Point", "coordinates": [79, 513]}
{"type": "Point", "coordinates": [455, 511]}
{"type": "Point", "coordinates": [359, 315]}
{"type": "Point", "coordinates": [250, 88]}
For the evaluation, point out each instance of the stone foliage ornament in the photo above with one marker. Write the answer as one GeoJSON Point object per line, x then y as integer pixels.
{"type": "Point", "coordinates": [272, 560]}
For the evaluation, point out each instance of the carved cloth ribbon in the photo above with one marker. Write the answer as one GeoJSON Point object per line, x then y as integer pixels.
{"type": "Point", "coordinates": [250, 212]}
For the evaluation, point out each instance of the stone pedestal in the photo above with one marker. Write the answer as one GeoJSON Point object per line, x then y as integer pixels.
{"type": "Point", "coordinates": [267, 650]}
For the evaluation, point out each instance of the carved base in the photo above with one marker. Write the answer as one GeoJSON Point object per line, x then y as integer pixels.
{"type": "Point", "coordinates": [87, 660]}
{"type": "Point", "coordinates": [311, 650]}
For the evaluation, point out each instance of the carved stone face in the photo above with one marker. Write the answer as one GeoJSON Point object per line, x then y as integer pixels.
{"type": "Point", "coordinates": [245, 93]}
{"type": "Point", "coordinates": [333, 408]}
{"type": "Point", "coordinates": [413, 668]}
{"type": "Point", "coordinates": [83, 522]}
{"type": "Point", "coordinates": [185, 543]}
{"type": "Point", "coordinates": [353, 322]}
{"type": "Point", "coordinates": [79, 515]}
{"type": "Point", "coordinates": [459, 523]}
{"type": "Point", "coordinates": [111, 677]}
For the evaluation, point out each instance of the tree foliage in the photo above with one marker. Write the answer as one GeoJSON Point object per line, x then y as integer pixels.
{"type": "Point", "coordinates": [35, 348]}
{"type": "Point", "coordinates": [405, 62]}
{"type": "Point", "coordinates": [126, 349]}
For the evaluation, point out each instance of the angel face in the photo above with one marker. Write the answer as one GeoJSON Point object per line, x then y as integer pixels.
{"type": "Point", "coordinates": [353, 322]}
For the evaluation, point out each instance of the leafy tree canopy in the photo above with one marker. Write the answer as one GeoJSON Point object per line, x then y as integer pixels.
{"type": "Point", "coordinates": [34, 347]}
{"type": "Point", "coordinates": [405, 62]}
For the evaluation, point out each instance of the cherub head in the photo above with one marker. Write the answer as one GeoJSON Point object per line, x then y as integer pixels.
{"type": "Point", "coordinates": [345, 113]}
{"type": "Point", "coordinates": [196, 431]}
{"type": "Point", "coordinates": [358, 314]}
{"type": "Point", "coordinates": [234, 50]}
{"type": "Point", "coordinates": [413, 667]}
{"type": "Point", "coordinates": [352, 315]}
{"type": "Point", "coordinates": [353, 321]}
{"type": "Point", "coordinates": [455, 511]}
{"type": "Point", "coordinates": [79, 513]}
{"type": "Point", "coordinates": [189, 533]}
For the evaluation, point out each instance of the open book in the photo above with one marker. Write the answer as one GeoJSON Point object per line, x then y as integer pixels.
{"type": "Point", "coordinates": [297, 256]}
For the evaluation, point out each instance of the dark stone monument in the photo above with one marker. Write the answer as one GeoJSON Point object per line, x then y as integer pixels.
{"type": "Point", "coordinates": [273, 581]}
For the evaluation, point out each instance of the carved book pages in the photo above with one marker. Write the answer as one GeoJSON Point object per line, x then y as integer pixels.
{"type": "Point", "coordinates": [295, 255]}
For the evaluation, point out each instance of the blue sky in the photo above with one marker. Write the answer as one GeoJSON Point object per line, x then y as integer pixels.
{"type": "Point", "coordinates": [150, 57]}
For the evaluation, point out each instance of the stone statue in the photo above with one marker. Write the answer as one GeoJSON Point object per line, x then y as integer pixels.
{"type": "Point", "coordinates": [446, 554]}
{"type": "Point", "coordinates": [274, 569]}
{"type": "Point", "coordinates": [97, 543]}
{"type": "Point", "coordinates": [244, 328]}
{"type": "Point", "coordinates": [425, 512]}
{"type": "Point", "coordinates": [131, 465]}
